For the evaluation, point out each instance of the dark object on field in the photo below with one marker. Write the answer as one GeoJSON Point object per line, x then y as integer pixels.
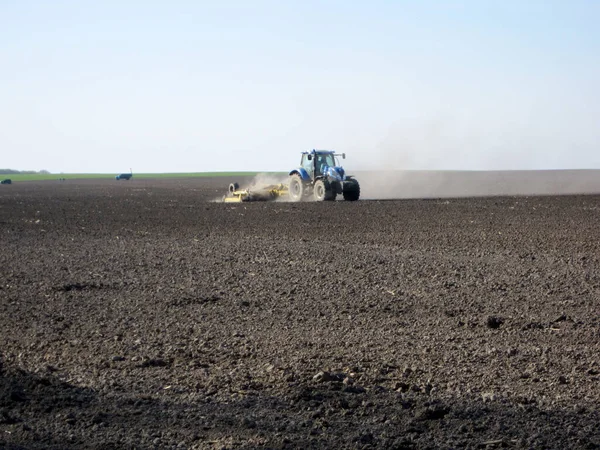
{"type": "Point", "coordinates": [124, 176]}
{"type": "Point", "coordinates": [494, 322]}
{"type": "Point", "coordinates": [7, 181]}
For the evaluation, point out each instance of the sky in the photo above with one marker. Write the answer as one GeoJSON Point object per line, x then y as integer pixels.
{"type": "Point", "coordinates": [229, 85]}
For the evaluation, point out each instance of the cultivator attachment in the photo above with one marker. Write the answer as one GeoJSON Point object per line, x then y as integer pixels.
{"type": "Point", "coordinates": [262, 194]}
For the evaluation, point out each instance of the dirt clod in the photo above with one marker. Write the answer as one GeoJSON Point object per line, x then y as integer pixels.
{"type": "Point", "coordinates": [494, 322]}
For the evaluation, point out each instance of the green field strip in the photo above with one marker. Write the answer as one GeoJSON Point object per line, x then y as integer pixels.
{"type": "Point", "coordinates": [136, 176]}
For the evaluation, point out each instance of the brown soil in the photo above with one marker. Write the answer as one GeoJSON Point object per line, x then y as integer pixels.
{"type": "Point", "coordinates": [138, 314]}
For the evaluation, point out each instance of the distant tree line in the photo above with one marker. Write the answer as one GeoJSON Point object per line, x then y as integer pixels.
{"type": "Point", "coordinates": [22, 172]}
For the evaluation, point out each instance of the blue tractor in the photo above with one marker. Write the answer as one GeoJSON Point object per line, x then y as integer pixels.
{"type": "Point", "coordinates": [321, 177]}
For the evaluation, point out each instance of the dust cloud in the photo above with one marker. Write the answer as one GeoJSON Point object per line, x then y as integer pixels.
{"type": "Point", "coordinates": [441, 159]}
{"type": "Point", "coordinates": [446, 184]}
{"type": "Point", "coordinates": [382, 179]}
{"type": "Point", "coordinates": [263, 180]}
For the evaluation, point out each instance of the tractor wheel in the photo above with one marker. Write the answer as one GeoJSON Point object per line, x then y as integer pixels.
{"type": "Point", "coordinates": [351, 191]}
{"type": "Point", "coordinates": [296, 188]}
{"type": "Point", "coordinates": [233, 187]}
{"type": "Point", "coordinates": [322, 191]}
{"type": "Point", "coordinates": [330, 192]}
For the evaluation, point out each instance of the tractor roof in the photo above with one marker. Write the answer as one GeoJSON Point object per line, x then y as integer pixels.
{"type": "Point", "coordinates": [321, 152]}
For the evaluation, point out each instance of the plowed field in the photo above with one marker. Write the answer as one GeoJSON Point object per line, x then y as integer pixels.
{"type": "Point", "coordinates": [141, 314]}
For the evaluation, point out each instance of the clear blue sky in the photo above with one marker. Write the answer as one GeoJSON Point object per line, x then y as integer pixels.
{"type": "Point", "coordinates": [103, 86]}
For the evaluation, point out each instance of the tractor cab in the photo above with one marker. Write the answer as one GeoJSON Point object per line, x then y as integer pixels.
{"type": "Point", "coordinates": [320, 163]}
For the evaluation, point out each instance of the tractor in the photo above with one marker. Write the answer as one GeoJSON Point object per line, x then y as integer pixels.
{"type": "Point", "coordinates": [321, 177]}
{"type": "Point", "coordinates": [6, 181]}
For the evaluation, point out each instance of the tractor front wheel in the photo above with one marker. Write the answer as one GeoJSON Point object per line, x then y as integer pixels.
{"type": "Point", "coordinates": [323, 191]}
{"type": "Point", "coordinates": [296, 188]}
{"type": "Point", "coordinates": [351, 190]}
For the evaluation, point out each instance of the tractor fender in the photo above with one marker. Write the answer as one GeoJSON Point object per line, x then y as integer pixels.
{"type": "Point", "coordinates": [302, 172]}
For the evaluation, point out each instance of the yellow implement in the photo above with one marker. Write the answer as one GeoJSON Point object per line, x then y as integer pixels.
{"type": "Point", "coordinates": [259, 194]}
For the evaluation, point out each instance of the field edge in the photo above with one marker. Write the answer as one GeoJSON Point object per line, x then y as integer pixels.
{"type": "Point", "coordinates": [146, 176]}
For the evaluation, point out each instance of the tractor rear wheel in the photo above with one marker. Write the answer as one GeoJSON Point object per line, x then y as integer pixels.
{"type": "Point", "coordinates": [296, 188]}
{"type": "Point", "coordinates": [351, 191]}
{"type": "Point", "coordinates": [323, 191]}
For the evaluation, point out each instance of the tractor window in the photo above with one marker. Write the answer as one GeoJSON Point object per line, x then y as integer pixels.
{"type": "Point", "coordinates": [306, 164]}
{"type": "Point", "coordinates": [325, 159]}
